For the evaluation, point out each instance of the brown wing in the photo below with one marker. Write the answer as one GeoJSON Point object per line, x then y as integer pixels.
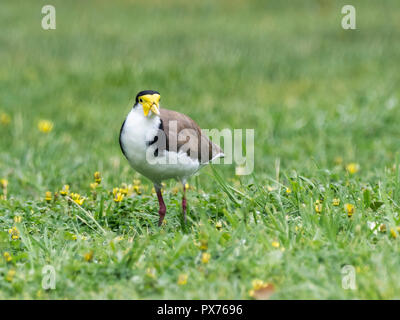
{"type": "Point", "coordinates": [184, 135]}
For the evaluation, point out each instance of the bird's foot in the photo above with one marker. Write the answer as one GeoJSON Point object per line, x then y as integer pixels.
{"type": "Point", "coordinates": [160, 220]}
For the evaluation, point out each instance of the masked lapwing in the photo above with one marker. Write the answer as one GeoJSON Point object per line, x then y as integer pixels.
{"type": "Point", "coordinates": [163, 144]}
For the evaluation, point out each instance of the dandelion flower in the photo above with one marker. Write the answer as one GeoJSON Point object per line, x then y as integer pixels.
{"type": "Point", "coordinates": [7, 256]}
{"type": "Point", "coordinates": [203, 245]}
{"type": "Point", "coordinates": [5, 119]}
{"type": "Point", "coordinates": [65, 190]}
{"type": "Point", "coordinates": [77, 198]}
{"type": "Point", "coordinates": [4, 183]}
{"type": "Point", "coordinates": [45, 126]}
{"type": "Point", "coordinates": [10, 275]}
{"type": "Point", "coordinates": [14, 233]}
{"type": "Point", "coordinates": [88, 256]}
{"type": "Point", "coordinates": [205, 257]}
{"type": "Point", "coordinates": [352, 168]}
{"type": "Point", "coordinates": [275, 244]}
{"type": "Point", "coordinates": [261, 290]}
{"type": "Point", "coordinates": [48, 197]}
{"type": "Point", "coordinates": [349, 208]}
{"type": "Point", "coordinates": [137, 190]}
{"type": "Point", "coordinates": [97, 177]}
{"type": "Point", "coordinates": [93, 185]}
{"type": "Point", "coordinates": [124, 191]}
{"type": "Point", "coordinates": [118, 197]}
{"type": "Point", "coordinates": [258, 284]}
{"type": "Point", "coordinates": [318, 206]}
{"type": "Point", "coordinates": [182, 280]}
{"type": "Point", "coordinates": [336, 202]}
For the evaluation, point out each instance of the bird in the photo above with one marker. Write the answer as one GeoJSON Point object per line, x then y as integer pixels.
{"type": "Point", "coordinates": [163, 144]}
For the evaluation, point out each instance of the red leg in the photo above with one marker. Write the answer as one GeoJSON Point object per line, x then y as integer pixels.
{"type": "Point", "coordinates": [163, 208]}
{"type": "Point", "coordinates": [184, 202]}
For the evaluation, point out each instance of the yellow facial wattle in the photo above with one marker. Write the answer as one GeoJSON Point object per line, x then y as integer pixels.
{"type": "Point", "coordinates": [150, 102]}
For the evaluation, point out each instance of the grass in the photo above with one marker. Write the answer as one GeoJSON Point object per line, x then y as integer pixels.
{"type": "Point", "coordinates": [319, 98]}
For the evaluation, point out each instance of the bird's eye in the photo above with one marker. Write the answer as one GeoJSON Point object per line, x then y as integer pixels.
{"type": "Point", "coordinates": [141, 100]}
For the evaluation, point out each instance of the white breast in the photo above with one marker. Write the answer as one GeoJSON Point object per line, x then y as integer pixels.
{"type": "Point", "coordinates": [137, 131]}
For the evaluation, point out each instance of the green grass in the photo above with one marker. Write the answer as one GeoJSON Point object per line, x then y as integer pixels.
{"type": "Point", "coordinates": [319, 97]}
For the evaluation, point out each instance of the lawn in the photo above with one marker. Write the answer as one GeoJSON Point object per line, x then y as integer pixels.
{"type": "Point", "coordinates": [323, 202]}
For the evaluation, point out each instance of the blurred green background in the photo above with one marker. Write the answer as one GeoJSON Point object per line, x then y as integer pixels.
{"type": "Point", "coordinates": [311, 90]}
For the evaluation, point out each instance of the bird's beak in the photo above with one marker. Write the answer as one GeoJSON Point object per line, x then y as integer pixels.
{"type": "Point", "coordinates": [151, 104]}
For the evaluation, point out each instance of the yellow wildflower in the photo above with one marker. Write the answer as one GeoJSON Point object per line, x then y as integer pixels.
{"type": "Point", "coordinates": [124, 191]}
{"type": "Point", "coordinates": [14, 233]}
{"type": "Point", "coordinates": [77, 198]}
{"type": "Point", "coordinates": [382, 228]}
{"type": "Point", "coordinates": [352, 168]}
{"type": "Point", "coordinates": [186, 185]}
{"type": "Point", "coordinates": [118, 197]}
{"type": "Point", "coordinates": [136, 188]}
{"type": "Point", "coordinates": [17, 219]}
{"type": "Point", "coordinates": [218, 225]}
{"type": "Point", "coordinates": [393, 233]}
{"type": "Point", "coordinates": [7, 256]}
{"type": "Point", "coordinates": [97, 177]}
{"type": "Point", "coordinates": [182, 280]}
{"type": "Point", "coordinates": [93, 185]}
{"type": "Point", "coordinates": [261, 290]}
{"type": "Point", "coordinates": [65, 190]}
{"type": "Point", "coordinates": [88, 256]}
{"type": "Point", "coordinates": [258, 284]}
{"type": "Point", "coordinates": [275, 244]}
{"type": "Point", "coordinates": [288, 191]}
{"type": "Point", "coordinates": [5, 119]}
{"type": "Point", "coordinates": [205, 257]}
{"type": "Point", "coordinates": [45, 126]}
{"type": "Point", "coordinates": [318, 206]}
{"type": "Point", "coordinates": [349, 209]}
{"type": "Point", "coordinates": [203, 244]}
{"type": "Point", "coordinates": [10, 275]}
{"type": "Point", "coordinates": [336, 202]}
{"type": "Point", "coordinates": [48, 196]}
{"type": "Point", "coordinates": [4, 183]}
